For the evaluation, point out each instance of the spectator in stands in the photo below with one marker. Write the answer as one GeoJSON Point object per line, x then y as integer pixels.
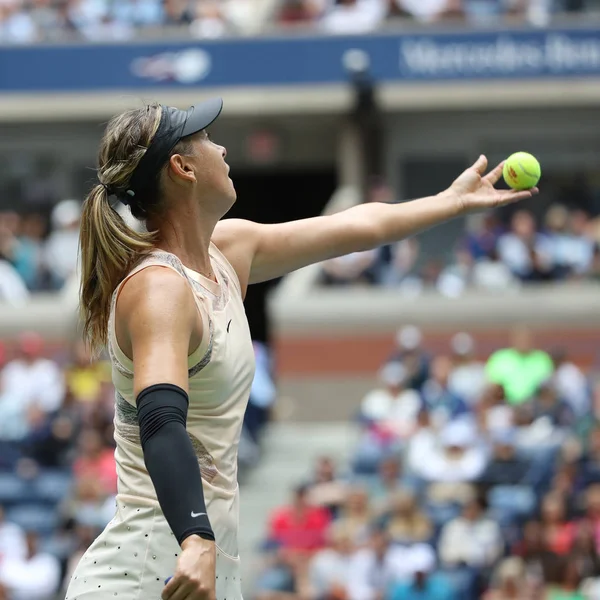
{"type": "Point", "coordinates": [406, 523]}
{"type": "Point", "coordinates": [355, 516]}
{"type": "Point", "coordinates": [422, 582]}
{"type": "Point", "coordinates": [16, 24]}
{"type": "Point", "coordinates": [35, 381]}
{"type": "Point", "coordinates": [579, 250]}
{"type": "Point", "coordinates": [547, 405]}
{"type": "Point", "coordinates": [388, 482]}
{"type": "Point", "coordinates": [533, 549]}
{"type": "Point", "coordinates": [28, 251]}
{"type": "Point", "coordinates": [209, 19]}
{"type": "Point", "coordinates": [443, 404]}
{"type": "Point", "coordinates": [424, 10]}
{"type": "Point", "coordinates": [422, 445]}
{"type": "Point", "coordinates": [13, 544]}
{"type": "Point", "coordinates": [61, 249]}
{"type": "Point", "coordinates": [89, 504]}
{"type": "Point", "coordinates": [492, 274]}
{"type": "Point", "coordinates": [262, 394]}
{"type": "Point", "coordinates": [84, 377]}
{"type": "Point", "coordinates": [375, 568]}
{"type": "Point", "coordinates": [329, 569]}
{"type": "Point", "coordinates": [472, 539]}
{"type": "Point", "coordinates": [96, 460]}
{"type": "Point", "coordinates": [389, 414]}
{"type": "Point", "coordinates": [33, 577]}
{"type": "Point", "coordinates": [506, 467]}
{"type": "Point", "coordinates": [565, 581]}
{"type": "Point", "coordinates": [353, 16]}
{"type": "Point", "coordinates": [509, 581]}
{"type": "Point", "coordinates": [398, 267]}
{"type": "Point", "coordinates": [300, 11]}
{"type": "Point", "coordinates": [12, 286]}
{"type": "Point", "coordinates": [559, 533]}
{"type": "Point", "coordinates": [138, 13]}
{"type": "Point", "coordinates": [584, 551]}
{"type": "Point", "coordinates": [482, 234]}
{"type": "Point", "coordinates": [299, 527]}
{"type": "Point", "coordinates": [392, 407]}
{"type": "Point", "coordinates": [177, 12]}
{"type": "Point", "coordinates": [467, 378]}
{"type": "Point", "coordinates": [355, 268]}
{"type": "Point", "coordinates": [523, 246]}
{"type": "Point", "coordinates": [52, 442]}
{"type": "Point", "coordinates": [570, 383]}
{"type": "Point", "coordinates": [326, 489]}
{"type": "Point", "coordinates": [456, 277]}
{"type": "Point", "coordinates": [590, 458]}
{"type": "Point", "coordinates": [410, 352]}
{"type": "Point", "coordinates": [454, 464]}
{"type": "Point", "coordinates": [520, 369]}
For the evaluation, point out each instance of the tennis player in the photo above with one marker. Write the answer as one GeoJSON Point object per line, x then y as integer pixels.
{"type": "Point", "coordinates": [168, 305]}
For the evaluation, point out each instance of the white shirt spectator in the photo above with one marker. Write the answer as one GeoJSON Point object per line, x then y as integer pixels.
{"type": "Point", "coordinates": [492, 275]}
{"type": "Point", "coordinates": [423, 10]}
{"type": "Point", "coordinates": [18, 27]}
{"type": "Point", "coordinates": [12, 541]}
{"type": "Point", "coordinates": [572, 386]}
{"type": "Point", "coordinates": [514, 252]}
{"type": "Point", "coordinates": [12, 288]}
{"type": "Point", "coordinates": [459, 458]}
{"type": "Point", "coordinates": [370, 577]}
{"type": "Point", "coordinates": [359, 16]}
{"type": "Point", "coordinates": [62, 246]}
{"type": "Point", "coordinates": [476, 542]}
{"type": "Point", "coordinates": [36, 578]}
{"type": "Point", "coordinates": [39, 383]}
{"type": "Point", "coordinates": [328, 569]}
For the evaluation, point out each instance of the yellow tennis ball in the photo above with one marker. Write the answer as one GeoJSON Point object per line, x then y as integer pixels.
{"type": "Point", "coordinates": [521, 171]}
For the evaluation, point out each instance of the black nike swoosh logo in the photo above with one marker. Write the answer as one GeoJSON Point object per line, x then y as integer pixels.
{"type": "Point", "coordinates": [228, 324]}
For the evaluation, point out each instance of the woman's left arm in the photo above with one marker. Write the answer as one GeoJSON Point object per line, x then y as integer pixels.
{"type": "Point", "coordinates": [263, 252]}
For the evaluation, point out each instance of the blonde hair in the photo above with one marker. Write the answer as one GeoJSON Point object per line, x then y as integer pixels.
{"type": "Point", "coordinates": [108, 247]}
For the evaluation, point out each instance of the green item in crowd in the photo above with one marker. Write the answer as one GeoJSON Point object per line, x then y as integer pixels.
{"type": "Point", "coordinates": [521, 374]}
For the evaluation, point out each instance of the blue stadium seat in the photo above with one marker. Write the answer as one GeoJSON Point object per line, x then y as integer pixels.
{"type": "Point", "coordinates": [34, 517]}
{"type": "Point", "coordinates": [52, 486]}
{"type": "Point", "coordinates": [13, 490]}
{"type": "Point", "coordinates": [514, 500]}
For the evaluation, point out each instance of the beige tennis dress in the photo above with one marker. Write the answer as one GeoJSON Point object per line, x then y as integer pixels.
{"type": "Point", "coordinates": [137, 551]}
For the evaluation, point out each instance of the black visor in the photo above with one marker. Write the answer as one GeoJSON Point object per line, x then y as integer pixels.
{"type": "Point", "coordinates": [174, 125]}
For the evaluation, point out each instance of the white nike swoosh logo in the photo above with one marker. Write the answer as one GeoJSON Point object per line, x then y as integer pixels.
{"type": "Point", "coordinates": [194, 515]}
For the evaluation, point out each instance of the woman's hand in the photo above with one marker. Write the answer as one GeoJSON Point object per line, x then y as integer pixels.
{"type": "Point", "coordinates": [195, 575]}
{"type": "Point", "coordinates": [475, 191]}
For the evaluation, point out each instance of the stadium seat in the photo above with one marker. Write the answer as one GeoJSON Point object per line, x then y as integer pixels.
{"type": "Point", "coordinates": [514, 500]}
{"type": "Point", "coordinates": [34, 517]}
{"type": "Point", "coordinates": [52, 486]}
{"type": "Point", "coordinates": [13, 490]}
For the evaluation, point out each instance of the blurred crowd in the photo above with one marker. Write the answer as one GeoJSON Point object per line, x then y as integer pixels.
{"type": "Point", "coordinates": [562, 246]}
{"type": "Point", "coordinates": [362, 16]}
{"type": "Point", "coordinates": [28, 21]}
{"type": "Point", "coordinates": [58, 477]}
{"type": "Point", "coordinates": [472, 479]}
{"type": "Point", "coordinates": [36, 255]}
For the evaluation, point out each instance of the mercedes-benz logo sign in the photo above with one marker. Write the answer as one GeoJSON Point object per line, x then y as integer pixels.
{"type": "Point", "coordinates": [187, 66]}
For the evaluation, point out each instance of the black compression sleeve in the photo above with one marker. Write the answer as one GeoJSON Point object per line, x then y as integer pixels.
{"type": "Point", "coordinates": [171, 460]}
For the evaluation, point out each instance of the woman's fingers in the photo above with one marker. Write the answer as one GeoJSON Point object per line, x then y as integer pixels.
{"type": "Point", "coordinates": [481, 165]}
{"type": "Point", "coordinates": [494, 176]}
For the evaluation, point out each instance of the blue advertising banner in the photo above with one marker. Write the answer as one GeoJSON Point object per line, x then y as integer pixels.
{"type": "Point", "coordinates": [302, 61]}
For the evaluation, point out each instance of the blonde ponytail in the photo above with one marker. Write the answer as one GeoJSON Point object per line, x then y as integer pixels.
{"type": "Point", "coordinates": [109, 249]}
